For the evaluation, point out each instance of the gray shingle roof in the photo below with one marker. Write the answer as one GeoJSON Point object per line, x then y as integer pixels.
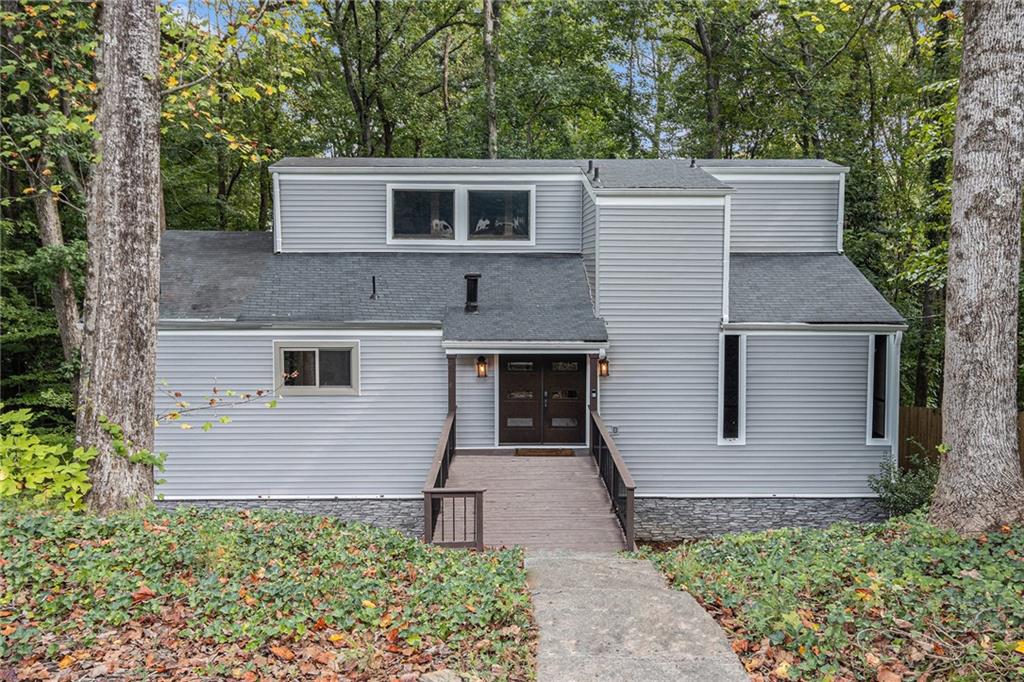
{"type": "Point", "coordinates": [523, 297]}
{"type": "Point", "coordinates": [803, 287]}
{"type": "Point", "coordinates": [613, 173]}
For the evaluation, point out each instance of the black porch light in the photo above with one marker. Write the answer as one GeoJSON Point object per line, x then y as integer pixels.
{"type": "Point", "coordinates": [602, 367]}
{"type": "Point", "coordinates": [481, 366]}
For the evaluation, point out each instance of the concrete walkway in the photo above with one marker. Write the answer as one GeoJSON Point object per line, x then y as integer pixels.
{"type": "Point", "coordinates": [603, 617]}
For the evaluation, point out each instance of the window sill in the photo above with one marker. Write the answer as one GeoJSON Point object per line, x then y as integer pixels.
{"type": "Point", "coordinates": [731, 441]}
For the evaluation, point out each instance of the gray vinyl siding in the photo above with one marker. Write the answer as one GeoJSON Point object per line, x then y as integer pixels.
{"type": "Point", "coordinates": [475, 397]}
{"type": "Point", "coordinates": [380, 442]}
{"type": "Point", "coordinates": [340, 214]}
{"type": "Point", "coordinates": [784, 215]}
{"type": "Point", "coordinates": [806, 416]}
{"type": "Point", "coordinates": [589, 241]}
{"type": "Point", "coordinates": [660, 279]}
{"type": "Point", "coordinates": [660, 292]}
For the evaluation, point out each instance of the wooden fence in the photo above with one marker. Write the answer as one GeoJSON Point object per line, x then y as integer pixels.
{"type": "Point", "coordinates": [921, 433]}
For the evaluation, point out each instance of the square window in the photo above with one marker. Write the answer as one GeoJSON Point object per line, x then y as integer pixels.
{"type": "Point", "coordinates": [328, 368]}
{"type": "Point", "coordinates": [423, 213]}
{"type": "Point", "coordinates": [499, 214]}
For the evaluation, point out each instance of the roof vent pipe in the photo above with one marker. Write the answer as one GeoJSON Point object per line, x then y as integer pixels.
{"type": "Point", "coordinates": [693, 162]}
{"type": "Point", "coordinates": [373, 283]}
{"type": "Point", "coordinates": [597, 172]}
{"type": "Point", "coordinates": [472, 290]}
{"type": "Point", "coordinates": [590, 166]}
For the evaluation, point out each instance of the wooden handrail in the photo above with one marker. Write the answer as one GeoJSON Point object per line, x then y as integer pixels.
{"type": "Point", "coordinates": [613, 450]}
{"type": "Point", "coordinates": [442, 444]}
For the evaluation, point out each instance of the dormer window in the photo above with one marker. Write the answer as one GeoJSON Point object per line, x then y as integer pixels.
{"type": "Point", "coordinates": [423, 213]}
{"type": "Point", "coordinates": [447, 213]}
{"type": "Point", "coordinates": [499, 214]}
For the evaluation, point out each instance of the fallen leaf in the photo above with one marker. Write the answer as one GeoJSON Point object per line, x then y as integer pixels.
{"type": "Point", "coordinates": [282, 652]}
{"type": "Point", "coordinates": [142, 594]}
{"type": "Point", "coordinates": [66, 662]}
{"type": "Point", "coordinates": [320, 624]}
{"type": "Point", "coordinates": [369, 604]}
{"type": "Point", "coordinates": [1020, 647]}
{"type": "Point", "coordinates": [886, 675]}
{"type": "Point", "coordinates": [740, 645]}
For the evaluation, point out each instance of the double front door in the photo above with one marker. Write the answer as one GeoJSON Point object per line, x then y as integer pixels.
{"type": "Point", "coordinates": [542, 399]}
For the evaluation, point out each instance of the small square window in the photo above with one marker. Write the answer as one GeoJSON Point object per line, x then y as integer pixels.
{"type": "Point", "coordinates": [423, 214]}
{"type": "Point", "coordinates": [499, 214]}
{"type": "Point", "coordinates": [329, 368]}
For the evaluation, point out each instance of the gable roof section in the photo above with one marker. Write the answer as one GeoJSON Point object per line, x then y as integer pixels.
{"type": "Point", "coordinates": [809, 288]}
{"type": "Point", "coordinates": [523, 297]}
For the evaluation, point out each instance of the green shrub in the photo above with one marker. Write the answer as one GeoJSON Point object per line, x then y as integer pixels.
{"type": "Point", "coordinates": [37, 471]}
{"type": "Point", "coordinates": [902, 491]}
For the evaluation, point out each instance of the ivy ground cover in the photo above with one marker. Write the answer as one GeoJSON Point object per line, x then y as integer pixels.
{"type": "Point", "coordinates": [200, 594]}
{"type": "Point", "coordinates": [898, 601]}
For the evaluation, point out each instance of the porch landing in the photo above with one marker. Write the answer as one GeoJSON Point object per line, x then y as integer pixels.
{"type": "Point", "coordinates": [540, 503]}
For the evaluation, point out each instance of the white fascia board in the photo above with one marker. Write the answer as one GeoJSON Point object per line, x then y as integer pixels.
{"type": "Point", "coordinates": [773, 170]}
{"type": "Point", "coordinates": [277, 213]}
{"type": "Point", "coordinates": [406, 329]}
{"type": "Point", "coordinates": [805, 328]}
{"type": "Point", "coordinates": [434, 175]}
{"type": "Point", "coordinates": [520, 347]}
{"type": "Point", "coordinates": [641, 200]}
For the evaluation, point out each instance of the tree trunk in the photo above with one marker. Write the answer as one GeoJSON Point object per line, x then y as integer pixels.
{"type": "Point", "coordinates": [490, 57]}
{"type": "Point", "coordinates": [446, 51]}
{"type": "Point", "coordinates": [65, 304]}
{"type": "Point", "coordinates": [119, 345]}
{"type": "Point", "coordinates": [980, 484]}
{"type": "Point", "coordinates": [712, 97]}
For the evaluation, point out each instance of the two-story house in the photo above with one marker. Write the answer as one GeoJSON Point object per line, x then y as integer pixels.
{"type": "Point", "coordinates": [702, 311]}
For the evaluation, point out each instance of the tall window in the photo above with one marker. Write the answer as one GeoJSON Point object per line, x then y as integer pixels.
{"type": "Point", "coordinates": [311, 369]}
{"type": "Point", "coordinates": [499, 214]}
{"type": "Point", "coordinates": [732, 400]}
{"type": "Point", "coordinates": [878, 384]}
{"type": "Point", "coordinates": [423, 214]}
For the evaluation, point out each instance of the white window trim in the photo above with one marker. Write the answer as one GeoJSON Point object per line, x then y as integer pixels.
{"type": "Point", "coordinates": [461, 214]}
{"type": "Point", "coordinates": [741, 437]}
{"type": "Point", "coordinates": [891, 388]}
{"type": "Point", "coordinates": [299, 345]}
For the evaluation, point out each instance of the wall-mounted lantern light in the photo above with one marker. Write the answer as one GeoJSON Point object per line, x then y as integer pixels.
{"type": "Point", "coordinates": [481, 366]}
{"type": "Point", "coordinates": [602, 367]}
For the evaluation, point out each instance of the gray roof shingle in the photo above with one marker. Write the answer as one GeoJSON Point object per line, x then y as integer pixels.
{"type": "Point", "coordinates": [816, 288]}
{"type": "Point", "coordinates": [523, 297]}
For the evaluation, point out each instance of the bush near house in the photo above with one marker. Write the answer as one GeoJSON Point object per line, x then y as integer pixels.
{"type": "Point", "coordinates": [900, 600]}
{"type": "Point", "coordinates": [251, 595]}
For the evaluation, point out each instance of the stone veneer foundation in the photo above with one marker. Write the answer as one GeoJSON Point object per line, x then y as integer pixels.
{"type": "Point", "coordinates": [403, 515]}
{"type": "Point", "coordinates": [662, 519]}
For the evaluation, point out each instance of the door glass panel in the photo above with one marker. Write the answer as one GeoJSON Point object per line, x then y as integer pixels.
{"type": "Point", "coordinates": [564, 422]}
{"type": "Point", "coordinates": [566, 394]}
{"type": "Point", "coordinates": [519, 422]}
{"type": "Point", "coordinates": [519, 395]}
{"type": "Point", "coordinates": [519, 366]}
{"type": "Point", "coordinates": [565, 366]}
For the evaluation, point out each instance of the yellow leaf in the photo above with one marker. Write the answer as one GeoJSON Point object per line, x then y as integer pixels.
{"type": "Point", "coordinates": [186, 427]}
{"type": "Point", "coordinates": [66, 662]}
{"type": "Point", "coordinates": [336, 637]}
{"type": "Point", "coordinates": [783, 670]}
{"type": "Point", "coordinates": [90, 118]}
{"type": "Point", "coordinates": [52, 93]}
{"type": "Point", "coordinates": [28, 190]}
{"type": "Point", "coordinates": [369, 604]}
{"type": "Point", "coordinates": [820, 28]}
{"type": "Point", "coordinates": [91, 86]}
{"type": "Point", "coordinates": [56, 189]}
{"type": "Point", "coordinates": [172, 81]}
{"type": "Point", "coordinates": [1020, 647]}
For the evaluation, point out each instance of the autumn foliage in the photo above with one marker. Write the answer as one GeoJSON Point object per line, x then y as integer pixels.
{"type": "Point", "coordinates": [262, 595]}
{"type": "Point", "coordinates": [899, 601]}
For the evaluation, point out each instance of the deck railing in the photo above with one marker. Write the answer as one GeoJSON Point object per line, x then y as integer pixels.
{"type": "Point", "coordinates": [615, 476]}
{"type": "Point", "coordinates": [457, 527]}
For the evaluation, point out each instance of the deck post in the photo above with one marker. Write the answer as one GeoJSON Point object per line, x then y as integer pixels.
{"type": "Point", "coordinates": [478, 514]}
{"type": "Point", "coordinates": [592, 368]}
{"type": "Point", "coordinates": [428, 518]}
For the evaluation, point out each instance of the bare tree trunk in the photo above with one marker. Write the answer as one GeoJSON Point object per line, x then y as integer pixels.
{"type": "Point", "coordinates": [980, 484]}
{"type": "Point", "coordinates": [490, 57]}
{"type": "Point", "coordinates": [65, 304]}
{"type": "Point", "coordinates": [446, 51]}
{"type": "Point", "coordinates": [119, 345]}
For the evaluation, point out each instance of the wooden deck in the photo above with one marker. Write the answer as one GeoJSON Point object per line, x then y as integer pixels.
{"type": "Point", "coordinates": [537, 502]}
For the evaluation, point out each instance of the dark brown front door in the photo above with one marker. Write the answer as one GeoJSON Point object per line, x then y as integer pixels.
{"type": "Point", "coordinates": [542, 399]}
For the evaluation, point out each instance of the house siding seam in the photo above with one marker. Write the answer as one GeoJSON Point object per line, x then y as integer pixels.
{"type": "Point", "coordinates": [779, 215]}
{"type": "Point", "coordinates": [325, 214]}
{"type": "Point", "coordinates": [379, 443]}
